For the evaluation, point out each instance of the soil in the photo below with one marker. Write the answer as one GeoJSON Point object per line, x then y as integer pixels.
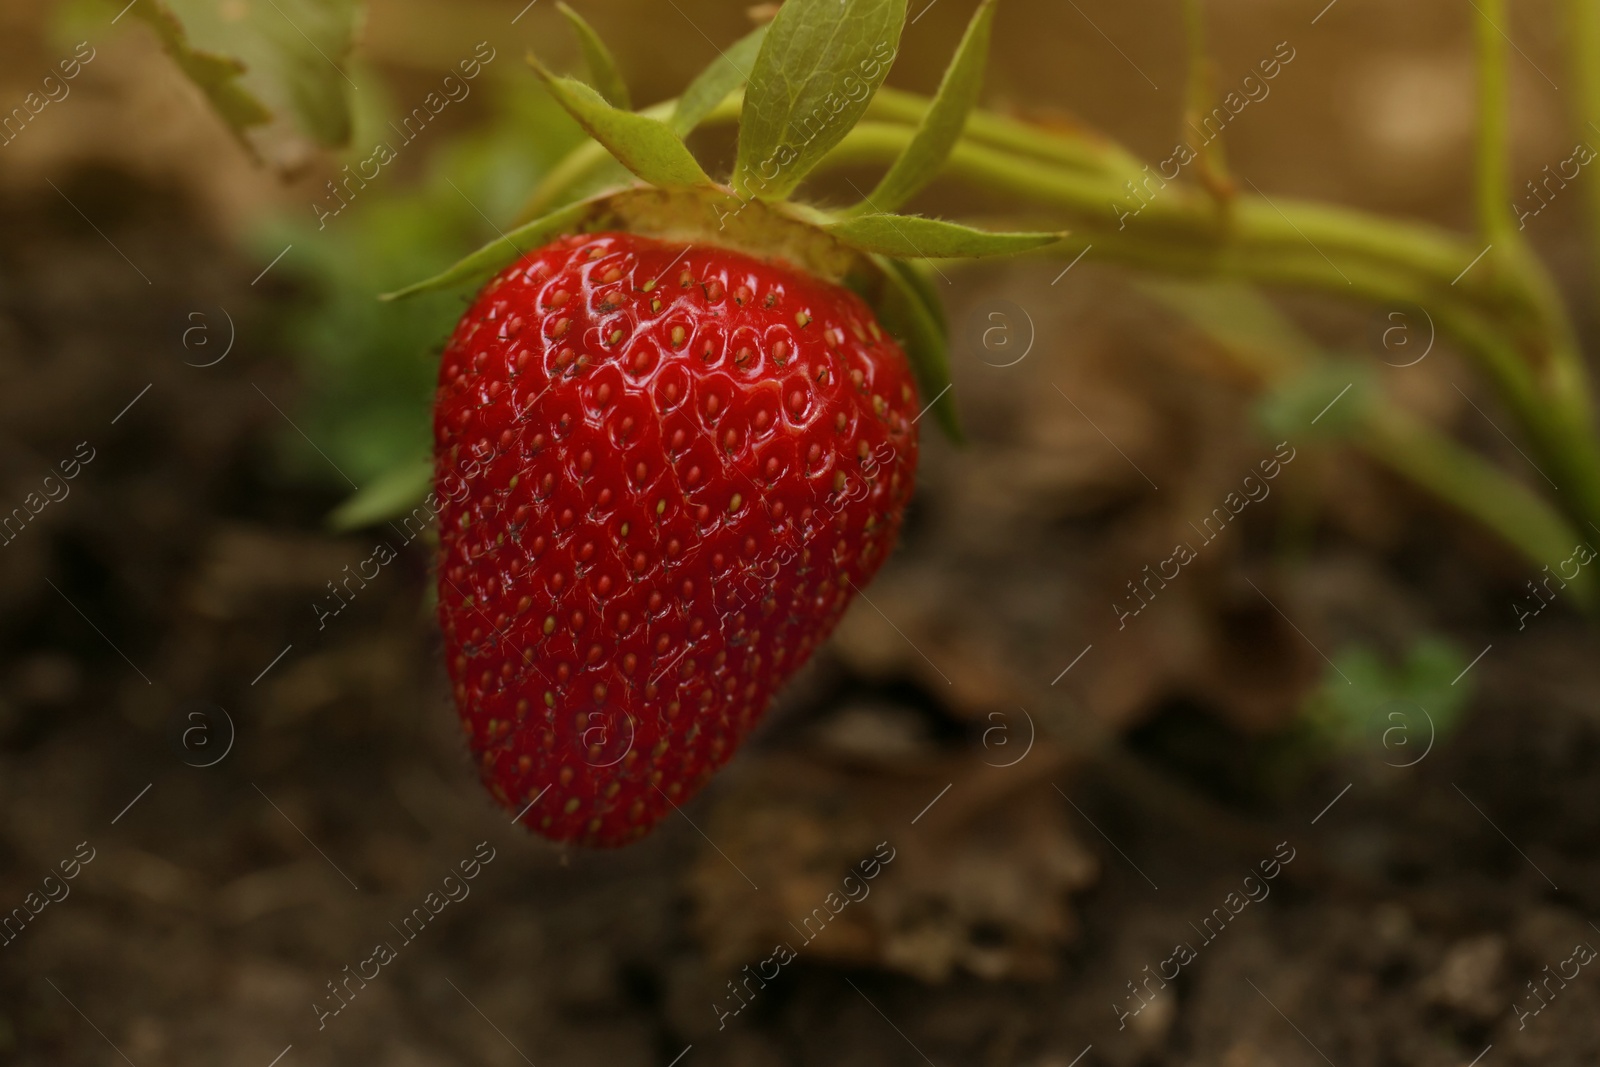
{"type": "Point", "coordinates": [262, 801]}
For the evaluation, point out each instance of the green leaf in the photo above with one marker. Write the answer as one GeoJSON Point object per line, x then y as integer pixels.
{"type": "Point", "coordinates": [908, 315]}
{"type": "Point", "coordinates": [727, 72]}
{"type": "Point", "coordinates": [1392, 708]}
{"type": "Point", "coordinates": [258, 63]}
{"type": "Point", "coordinates": [816, 71]}
{"type": "Point", "coordinates": [644, 145]}
{"type": "Point", "coordinates": [1326, 401]}
{"type": "Point", "coordinates": [504, 249]}
{"type": "Point", "coordinates": [369, 370]}
{"type": "Point", "coordinates": [597, 57]}
{"type": "Point", "coordinates": [911, 236]}
{"type": "Point", "coordinates": [392, 493]}
{"type": "Point", "coordinates": [216, 75]}
{"type": "Point", "coordinates": [944, 120]}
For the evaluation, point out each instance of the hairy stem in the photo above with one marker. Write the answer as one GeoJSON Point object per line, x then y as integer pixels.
{"type": "Point", "coordinates": [1078, 151]}
{"type": "Point", "coordinates": [1509, 319]}
{"type": "Point", "coordinates": [1500, 305]}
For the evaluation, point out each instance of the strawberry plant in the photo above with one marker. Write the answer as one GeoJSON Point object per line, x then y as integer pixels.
{"type": "Point", "coordinates": [674, 387]}
{"type": "Point", "coordinates": [685, 391]}
{"type": "Point", "coordinates": [1487, 293]}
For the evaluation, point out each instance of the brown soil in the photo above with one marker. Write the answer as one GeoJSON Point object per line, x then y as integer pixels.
{"type": "Point", "coordinates": [1008, 926]}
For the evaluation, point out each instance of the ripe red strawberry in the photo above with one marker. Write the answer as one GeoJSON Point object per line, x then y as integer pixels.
{"type": "Point", "coordinates": [670, 450]}
{"type": "Point", "coordinates": [663, 474]}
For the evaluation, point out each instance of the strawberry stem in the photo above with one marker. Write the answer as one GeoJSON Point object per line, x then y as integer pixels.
{"type": "Point", "coordinates": [1509, 320]}
{"type": "Point", "coordinates": [1493, 157]}
{"type": "Point", "coordinates": [1585, 36]}
{"type": "Point", "coordinates": [1497, 302]}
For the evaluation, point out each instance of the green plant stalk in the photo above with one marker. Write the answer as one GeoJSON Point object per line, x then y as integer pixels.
{"type": "Point", "coordinates": [1560, 420]}
{"type": "Point", "coordinates": [1269, 351]}
{"type": "Point", "coordinates": [1284, 241]}
{"type": "Point", "coordinates": [1493, 158]}
{"type": "Point", "coordinates": [1563, 431]}
{"type": "Point", "coordinates": [1555, 419]}
{"type": "Point", "coordinates": [1338, 243]}
{"type": "Point", "coordinates": [1197, 89]}
{"type": "Point", "coordinates": [1503, 311]}
{"type": "Point", "coordinates": [1508, 318]}
{"type": "Point", "coordinates": [1322, 235]}
{"type": "Point", "coordinates": [1175, 213]}
{"type": "Point", "coordinates": [1472, 485]}
{"type": "Point", "coordinates": [1079, 152]}
{"type": "Point", "coordinates": [1212, 164]}
{"type": "Point", "coordinates": [1082, 150]}
{"type": "Point", "coordinates": [1585, 37]}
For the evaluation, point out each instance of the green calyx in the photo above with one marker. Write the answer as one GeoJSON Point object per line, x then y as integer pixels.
{"type": "Point", "coordinates": [807, 78]}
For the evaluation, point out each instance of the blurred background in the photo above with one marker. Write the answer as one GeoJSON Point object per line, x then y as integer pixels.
{"type": "Point", "coordinates": [1344, 689]}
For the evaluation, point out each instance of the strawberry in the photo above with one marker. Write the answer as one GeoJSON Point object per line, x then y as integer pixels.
{"type": "Point", "coordinates": [676, 439]}
{"type": "Point", "coordinates": [689, 463]}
